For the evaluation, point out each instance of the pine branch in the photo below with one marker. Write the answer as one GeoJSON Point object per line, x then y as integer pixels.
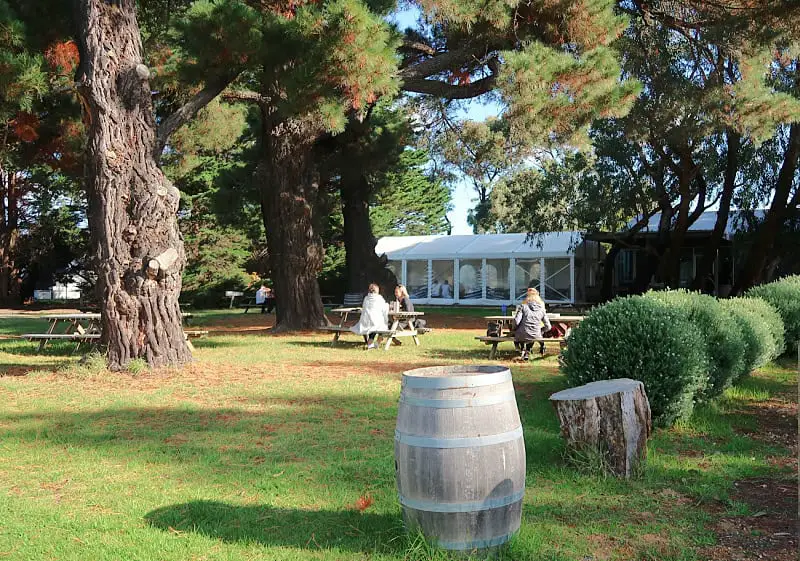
{"type": "Point", "coordinates": [188, 110]}
{"type": "Point", "coordinates": [419, 46]}
{"type": "Point", "coordinates": [450, 91]}
{"type": "Point", "coordinates": [456, 58]}
{"type": "Point", "coordinates": [247, 96]}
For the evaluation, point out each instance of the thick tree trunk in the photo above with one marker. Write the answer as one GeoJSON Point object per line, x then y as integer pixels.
{"type": "Point", "coordinates": [138, 249]}
{"type": "Point", "coordinates": [364, 266]}
{"type": "Point", "coordinates": [671, 259]}
{"type": "Point", "coordinates": [9, 234]}
{"type": "Point", "coordinates": [608, 420]}
{"type": "Point", "coordinates": [607, 288]}
{"type": "Point", "coordinates": [706, 264]}
{"type": "Point", "coordinates": [289, 188]}
{"type": "Point", "coordinates": [761, 250]}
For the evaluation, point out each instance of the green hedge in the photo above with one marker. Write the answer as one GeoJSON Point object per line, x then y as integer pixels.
{"type": "Point", "coordinates": [762, 328]}
{"type": "Point", "coordinates": [784, 295]}
{"type": "Point", "coordinates": [643, 339]}
{"type": "Point", "coordinates": [721, 336]}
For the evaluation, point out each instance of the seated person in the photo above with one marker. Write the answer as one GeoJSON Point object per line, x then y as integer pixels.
{"type": "Point", "coordinates": [528, 320]}
{"type": "Point", "coordinates": [374, 316]}
{"type": "Point", "coordinates": [270, 300]}
{"type": "Point", "coordinates": [405, 305]}
{"type": "Point", "coordinates": [261, 298]}
{"type": "Point", "coordinates": [436, 289]}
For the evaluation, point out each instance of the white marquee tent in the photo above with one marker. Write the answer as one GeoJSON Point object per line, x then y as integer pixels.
{"type": "Point", "coordinates": [488, 269]}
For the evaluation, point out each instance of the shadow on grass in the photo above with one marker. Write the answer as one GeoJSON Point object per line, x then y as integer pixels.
{"type": "Point", "coordinates": [348, 530]}
{"type": "Point", "coordinates": [215, 343]}
{"type": "Point", "coordinates": [26, 348]}
{"type": "Point", "coordinates": [22, 369]}
{"type": "Point", "coordinates": [326, 344]}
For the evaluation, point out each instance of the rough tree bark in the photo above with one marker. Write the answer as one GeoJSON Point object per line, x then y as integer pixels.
{"type": "Point", "coordinates": [760, 251]}
{"type": "Point", "coordinates": [138, 249]}
{"type": "Point", "coordinates": [9, 234]}
{"type": "Point", "coordinates": [706, 264]}
{"type": "Point", "coordinates": [289, 189]}
{"type": "Point", "coordinates": [610, 419]}
{"type": "Point", "coordinates": [364, 266]}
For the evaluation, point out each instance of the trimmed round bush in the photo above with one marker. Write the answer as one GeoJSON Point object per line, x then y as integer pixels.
{"type": "Point", "coordinates": [721, 336]}
{"type": "Point", "coordinates": [784, 295]}
{"type": "Point", "coordinates": [762, 328]}
{"type": "Point", "coordinates": [643, 339]}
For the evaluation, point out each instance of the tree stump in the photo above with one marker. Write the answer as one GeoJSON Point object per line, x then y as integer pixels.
{"type": "Point", "coordinates": [610, 418]}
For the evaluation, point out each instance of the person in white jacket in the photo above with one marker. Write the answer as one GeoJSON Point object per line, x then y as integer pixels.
{"type": "Point", "coordinates": [374, 316]}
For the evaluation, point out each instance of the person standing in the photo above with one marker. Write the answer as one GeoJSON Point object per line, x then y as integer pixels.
{"type": "Point", "coordinates": [446, 290]}
{"type": "Point", "coordinates": [374, 316]}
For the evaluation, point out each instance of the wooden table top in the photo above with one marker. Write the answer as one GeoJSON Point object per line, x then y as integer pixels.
{"type": "Point", "coordinates": [552, 317]}
{"type": "Point", "coordinates": [89, 315]}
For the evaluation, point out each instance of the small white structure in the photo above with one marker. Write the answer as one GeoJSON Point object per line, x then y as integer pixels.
{"type": "Point", "coordinates": [492, 269]}
{"type": "Point", "coordinates": [60, 291]}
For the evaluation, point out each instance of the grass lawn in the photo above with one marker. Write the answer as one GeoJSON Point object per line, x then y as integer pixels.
{"type": "Point", "coordinates": [263, 447]}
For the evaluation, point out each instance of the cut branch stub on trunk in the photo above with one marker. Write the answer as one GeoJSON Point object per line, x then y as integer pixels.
{"type": "Point", "coordinates": [608, 419]}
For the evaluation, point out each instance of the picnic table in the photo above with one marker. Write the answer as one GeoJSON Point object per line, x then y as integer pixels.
{"type": "Point", "coordinates": [507, 330]}
{"type": "Point", "coordinates": [394, 332]}
{"type": "Point", "coordinates": [507, 322]}
{"type": "Point", "coordinates": [82, 328]}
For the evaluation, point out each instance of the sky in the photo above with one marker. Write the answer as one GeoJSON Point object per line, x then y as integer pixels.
{"type": "Point", "coordinates": [463, 193]}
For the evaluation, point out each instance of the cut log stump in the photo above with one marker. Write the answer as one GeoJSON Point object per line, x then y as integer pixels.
{"type": "Point", "coordinates": [610, 418]}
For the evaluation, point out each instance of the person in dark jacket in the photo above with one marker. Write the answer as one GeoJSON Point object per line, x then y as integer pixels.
{"type": "Point", "coordinates": [529, 319]}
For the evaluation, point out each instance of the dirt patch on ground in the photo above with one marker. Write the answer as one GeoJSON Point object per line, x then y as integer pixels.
{"type": "Point", "coordinates": [777, 423]}
{"type": "Point", "coordinates": [770, 533]}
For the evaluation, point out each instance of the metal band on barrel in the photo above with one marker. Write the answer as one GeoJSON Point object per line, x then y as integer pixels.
{"type": "Point", "coordinates": [428, 442]}
{"type": "Point", "coordinates": [476, 544]}
{"type": "Point", "coordinates": [457, 403]}
{"type": "Point", "coordinates": [473, 506]}
{"type": "Point", "coordinates": [443, 383]}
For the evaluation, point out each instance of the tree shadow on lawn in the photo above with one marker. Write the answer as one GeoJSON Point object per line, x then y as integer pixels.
{"type": "Point", "coordinates": [213, 342]}
{"type": "Point", "coordinates": [349, 530]}
{"type": "Point", "coordinates": [22, 369]}
{"type": "Point", "coordinates": [326, 343]}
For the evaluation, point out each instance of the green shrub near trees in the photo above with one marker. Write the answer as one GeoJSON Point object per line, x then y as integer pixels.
{"type": "Point", "coordinates": [644, 339]}
{"type": "Point", "coordinates": [683, 346]}
{"type": "Point", "coordinates": [762, 330]}
{"type": "Point", "coordinates": [721, 336]}
{"type": "Point", "coordinates": [784, 295]}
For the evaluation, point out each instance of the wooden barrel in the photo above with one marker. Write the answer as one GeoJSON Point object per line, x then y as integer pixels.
{"type": "Point", "coordinates": [460, 456]}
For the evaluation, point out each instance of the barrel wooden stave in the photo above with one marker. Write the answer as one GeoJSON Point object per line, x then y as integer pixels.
{"type": "Point", "coordinates": [460, 456]}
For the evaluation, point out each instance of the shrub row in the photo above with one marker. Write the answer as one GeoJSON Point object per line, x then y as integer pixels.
{"type": "Point", "coordinates": [762, 329]}
{"type": "Point", "coordinates": [683, 346]}
{"type": "Point", "coordinates": [784, 294]}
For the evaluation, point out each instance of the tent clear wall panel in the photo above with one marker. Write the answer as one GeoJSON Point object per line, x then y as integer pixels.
{"type": "Point", "coordinates": [494, 269]}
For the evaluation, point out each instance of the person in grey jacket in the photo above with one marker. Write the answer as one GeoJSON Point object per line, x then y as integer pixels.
{"type": "Point", "coordinates": [528, 320]}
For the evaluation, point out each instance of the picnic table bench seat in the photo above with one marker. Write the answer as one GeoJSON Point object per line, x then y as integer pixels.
{"type": "Point", "coordinates": [61, 336]}
{"type": "Point", "coordinates": [248, 303]}
{"type": "Point", "coordinates": [494, 341]}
